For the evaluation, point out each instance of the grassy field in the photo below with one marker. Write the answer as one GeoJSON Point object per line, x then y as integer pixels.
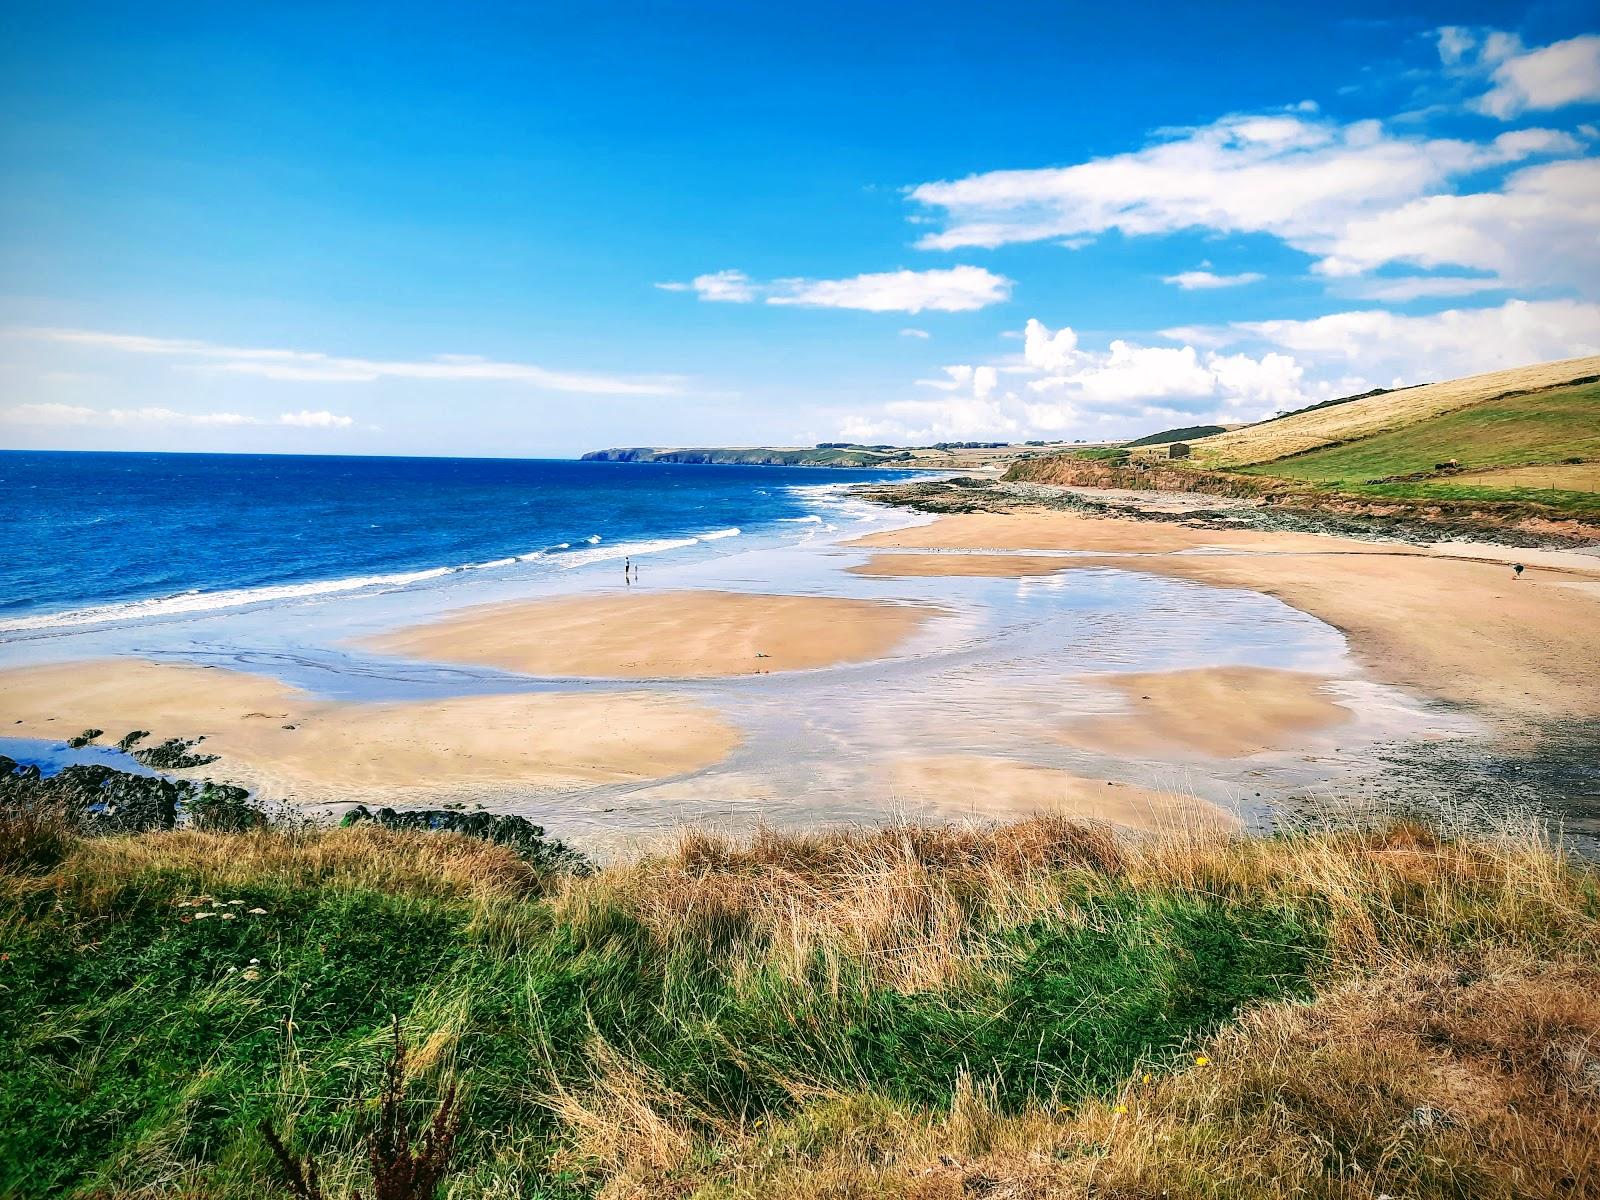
{"type": "Point", "coordinates": [1036, 1009]}
{"type": "Point", "coordinates": [1269, 441]}
{"type": "Point", "coordinates": [1543, 427]}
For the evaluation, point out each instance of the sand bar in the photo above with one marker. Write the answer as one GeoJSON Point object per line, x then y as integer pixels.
{"type": "Point", "coordinates": [1224, 712]}
{"type": "Point", "coordinates": [970, 785]}
{"type": "Point", "coordinates": [402, 753]}
{"type": "Point", "coordinates": [1452, 628]}
{"type": "Point", "coordinates": [656, 635]}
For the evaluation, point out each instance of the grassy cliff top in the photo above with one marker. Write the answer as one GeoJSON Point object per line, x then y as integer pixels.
{"type": "Point", "coordinates": [1269, 441]}
{"type": "Point", "coordinates": [1035, 1009]}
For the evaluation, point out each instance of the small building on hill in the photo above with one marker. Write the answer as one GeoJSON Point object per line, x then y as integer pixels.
{"type": "Point", "coordinates": [1178, 450]}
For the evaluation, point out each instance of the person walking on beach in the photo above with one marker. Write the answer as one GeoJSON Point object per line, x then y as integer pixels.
{"type": "Point", "coordinates": [626, 569]}
{"type": "Point", "coordinates": [1516, 570]}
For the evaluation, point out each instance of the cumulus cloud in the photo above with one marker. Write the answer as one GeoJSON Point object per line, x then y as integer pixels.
{"type": "Point", "coordinates": [307, 366]}
{"type": "Point", "coordinates": [1234, 373]}
{"type": "Point", "coordinates": [1356, 196]}
{"type": "Point", "coordinates": [1550, 77]}
{"type": "Point", "coordinates": [1191, 281]}
{"type": "Point", "coordinates": [953, 289]}
{"type": "Point", "coordinates": [1416, 349]}
{"type": "Point", "coordinates": [1542, 228]}
{"type": "Point", "coordinates": [82, 416]}
{"type": "Point", "coordinates": [1295, 176]}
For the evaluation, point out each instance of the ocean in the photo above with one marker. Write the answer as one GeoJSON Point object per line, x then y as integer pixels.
{"type": "Point", "coordinates": [105, 538]}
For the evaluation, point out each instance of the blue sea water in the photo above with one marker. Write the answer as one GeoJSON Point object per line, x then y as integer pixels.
{"type": "Point", "coordinates": [103, 537]}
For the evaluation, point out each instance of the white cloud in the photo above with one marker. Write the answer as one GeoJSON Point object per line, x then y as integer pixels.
{"type": "Point", "coordinates": [1551, 77]}
{"type": "Point", "coordinates": [953, 289]}
{"type": "Point", "coordinates": [731, 287]}
{"type": "Point", "coordinates": [958, 289]}
{"type": "Point", "coordinates": [1130, 389]}
{"type": "Point", "coordinates": [1122, 391]}
{"type": "Point", "coordinates": [80, 415]}
{"type": "Point", "coordinates": [304, 366]}
{"type": "Point", "coordinates": [1191, 281]}
{"type": "Point", "coordinates": [1542, 229]}
{"type": "Point", "coordinates": [1356, 196]}
{"type": "Point", "coordinates": [965, 418]}
{"type": "Point", "coordinates": [1444, 345]}
{"type": "Point", "coordinates": [1046, 351]}
{"type": "Point", "coordinates": [316, 420]}
{"type": "Point", "coordinates": [1417, 287]}
{"type": "Point", "coordinates": [1294, 176]}
{"type": "Point", "coordinates": [919, 334]}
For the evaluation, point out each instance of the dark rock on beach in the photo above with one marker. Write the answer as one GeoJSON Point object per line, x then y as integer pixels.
{"type": "Point", "coordinates": [519, 833]}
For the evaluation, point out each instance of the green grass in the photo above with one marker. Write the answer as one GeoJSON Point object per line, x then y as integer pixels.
{"type": "Point", "coordinates": [135, 1037]}
{"type": "Point", "coordinates": [1545, 427]}
{"type": "Point", "coordinates": [772, 1004]}
{"type": "Point", "coordinates": [1574, 503]}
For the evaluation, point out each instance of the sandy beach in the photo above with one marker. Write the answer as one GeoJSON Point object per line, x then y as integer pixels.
{"type": "Point", "coordinates": [654, 635]}
{"type": "Point", "coordinates": [974, 786]}
{"type": "Point", "coordinates": [1223, 712]}
{"type": "Point", "coordinates": [292, 746]}
{"type": "Point", "coordinates": [1454, 628]}
{"type": "Point", "coordinates": [1021, 709]}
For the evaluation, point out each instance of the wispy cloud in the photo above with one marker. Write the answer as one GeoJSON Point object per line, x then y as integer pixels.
{"type": "Point", "coordinates": [308, 366]}
{"type": "Point", "coordinates": [952, 289]}
{"type": "Point", "coordinates": [81, 415]}
{"type": "Point", "coordinates": [1191, 281]}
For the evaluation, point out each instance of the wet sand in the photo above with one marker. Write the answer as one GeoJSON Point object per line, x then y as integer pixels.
{"type": "Point", "coordinates": [658, 635]}
{"type": "Point", "coordinates": [1436, 622]}
{"type": "Point", "coordinates": [393, 753]}
{"type": "Point", "coordinates": [1223, 712]}
{"type": "Point", "coordinates": [977, 787]}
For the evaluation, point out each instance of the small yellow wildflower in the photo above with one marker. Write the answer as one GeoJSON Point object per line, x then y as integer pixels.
{"type": "Point", "coordinates": [1120, 1109]}
{"type": "Point", "coordinates": [1148, 1077]}
{"type": "Point", "coordinates": [1201, 1060]}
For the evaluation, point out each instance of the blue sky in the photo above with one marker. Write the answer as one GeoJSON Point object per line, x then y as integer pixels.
{"type": "Point", "coordinates": [541, 229]}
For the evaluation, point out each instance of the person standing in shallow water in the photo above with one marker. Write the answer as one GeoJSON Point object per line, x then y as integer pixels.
{"type": "Point", "coordinates": [627, 567]}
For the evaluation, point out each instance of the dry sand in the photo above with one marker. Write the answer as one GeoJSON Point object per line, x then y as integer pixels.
{"type": "Point", "coordinates": [1224, 712]}
{"type": "Point", "coordinates": [655, 635]}
{"type": "Point", "coordinates": [1447, 626]}
{"type": "Point", "coordinates": [962, 785]}
{"type": "Point", "coordinates": [390, 752]}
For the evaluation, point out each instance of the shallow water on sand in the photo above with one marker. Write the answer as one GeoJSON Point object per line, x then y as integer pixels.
{"type": "Point", "coordinates": [997, 675]}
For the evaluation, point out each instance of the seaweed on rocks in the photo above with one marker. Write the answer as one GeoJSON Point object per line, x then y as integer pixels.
{"type": "Point", "coordinates": [522, 835]}
{"type": "Point", "coordinates": [173, 755]}
{"type": "Point", "coordinates": [99, 800]}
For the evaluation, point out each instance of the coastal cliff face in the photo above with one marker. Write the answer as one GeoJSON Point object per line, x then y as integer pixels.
{"type": "Point", "coordinates": [754, 456]}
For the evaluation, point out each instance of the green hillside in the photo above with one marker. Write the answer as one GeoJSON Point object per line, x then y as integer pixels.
{"type": "Point", "coordinates": [1560, 426]}
{"type": "Point", "coordinates": [1182, 434]}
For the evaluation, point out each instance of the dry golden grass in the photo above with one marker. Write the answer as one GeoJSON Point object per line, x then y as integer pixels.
{"type": "Point", "coordinates": [1480, 1086]}
{"type": "Point", "coordinates": [1271, 440]}
{"type": "Point", "coordinates": [1454, 1049]}
{"type": "Point", "coordinates": [1451, 1047]}
{"type": "Point", "coordinates": [443, 865]}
